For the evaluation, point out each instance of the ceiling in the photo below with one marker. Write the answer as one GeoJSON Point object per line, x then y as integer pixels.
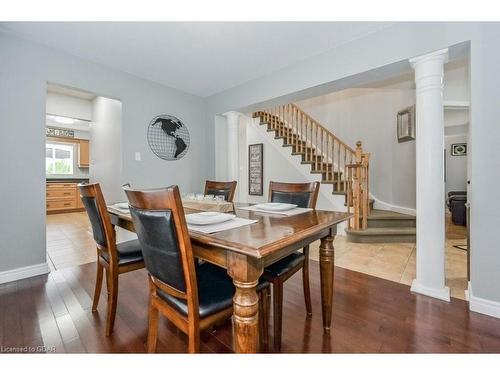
{"type": "Point", "coordinates": [201, 58]}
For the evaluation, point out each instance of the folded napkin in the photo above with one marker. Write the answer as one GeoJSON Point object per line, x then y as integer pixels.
{"type": "Point", "coordinates": [219, 227]}
{"type": "Point", "coordinates": [292, 212]}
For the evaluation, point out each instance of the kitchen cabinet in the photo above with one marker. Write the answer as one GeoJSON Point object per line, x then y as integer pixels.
{"type": "Point", "coordinates": [63, 197]}
{"type": "Point", "coordinates": [83, 153]}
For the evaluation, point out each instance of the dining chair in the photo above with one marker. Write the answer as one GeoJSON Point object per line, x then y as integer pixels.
{"type": "Point", "coordinates": [114, 258]}
{"type": "Point", "coordinates": [303, 195]}
{"type": "Point", "coordinates": [227, 189]}
{"type": "Point", "coordinates": [192, 296]}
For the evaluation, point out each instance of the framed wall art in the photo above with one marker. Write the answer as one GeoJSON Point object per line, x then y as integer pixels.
{"type": "Point", "coordinates": [406, 124]}
{"type": "Point", "coordinates": [459, 149]}
{"type": "Point", "coordinates": [256, 169]}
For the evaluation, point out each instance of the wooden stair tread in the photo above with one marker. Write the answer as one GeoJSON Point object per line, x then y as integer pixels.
{"type": "Point", "coordinates": [308, 152]}
{"type": "Point", "coordinates": [388, 215]}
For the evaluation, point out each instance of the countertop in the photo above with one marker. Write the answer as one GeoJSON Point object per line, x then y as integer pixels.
{"type": "Point", "coordinates": [70, 179]}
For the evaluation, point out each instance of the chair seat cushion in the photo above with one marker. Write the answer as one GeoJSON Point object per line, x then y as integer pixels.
{"type": "Point", "coordinates": [215, 291]}
{"type": "Point", "coordinates": [128, 252]}
{"type": "Point", "coordinates": [284, 265]}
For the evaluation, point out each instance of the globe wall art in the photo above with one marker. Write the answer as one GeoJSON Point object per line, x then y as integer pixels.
{"type": "Point", "coordinates": [168, 137]}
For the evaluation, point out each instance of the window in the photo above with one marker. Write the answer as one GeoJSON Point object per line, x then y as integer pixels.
{"type": "Point", "coordinates": [58, 158]}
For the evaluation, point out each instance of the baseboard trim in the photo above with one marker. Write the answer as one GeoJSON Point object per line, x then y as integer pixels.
{"type": "Point", "coordinates": [442, 294]}
{"type": "Point", "coordinates": [482, 305]}
{"type": "Point", "coordinates": [381, 205]}
{"type": "Point", "coordinates": [24, 272]}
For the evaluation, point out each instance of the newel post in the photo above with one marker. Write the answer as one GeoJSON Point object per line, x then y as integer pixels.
{"type": "Point", "coordinates": [359, 152]}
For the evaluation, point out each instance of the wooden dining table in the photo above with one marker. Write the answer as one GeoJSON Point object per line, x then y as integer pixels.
{"type": "Point", "coordinates": [245, 252]}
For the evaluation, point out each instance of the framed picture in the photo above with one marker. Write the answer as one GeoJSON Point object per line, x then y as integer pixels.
{"type": "Point", "coordinates": [406, 124]}
{"type": "Point", "coordinates": [256, 169]}
{"type": "Point", "coordinates": [458, 149]}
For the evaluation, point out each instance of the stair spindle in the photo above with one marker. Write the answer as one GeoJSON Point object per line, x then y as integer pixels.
{"type": "Point", "coordinates": [303, 139]}
{"type": "Point", "coordinates": [345, 163]}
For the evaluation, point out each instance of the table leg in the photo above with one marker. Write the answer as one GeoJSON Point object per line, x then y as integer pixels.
{"type": "Point", "coordinates": [245, 273]}
{"type": "Point", "coordinates": [326, 264]}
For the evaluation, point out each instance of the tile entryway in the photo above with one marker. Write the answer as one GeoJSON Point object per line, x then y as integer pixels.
{"type": "Point", "coordinates": [397, 261]}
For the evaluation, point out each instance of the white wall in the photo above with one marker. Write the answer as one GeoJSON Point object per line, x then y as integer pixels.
{"type": "Point", "coordinates": [63, 105]}
{"type": "Point", "coordinates": [369, 115]}
{"type": "Point", "coordinates": [25, 69]}
{"type": "Point", "coordinates": [105, 147]}
{"type": "Point", "coordinates": [276, 165]}
{"type": "Point", "coordinates": [456, 166]}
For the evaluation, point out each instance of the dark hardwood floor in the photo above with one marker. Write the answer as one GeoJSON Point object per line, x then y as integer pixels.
{"type": "Point", "coordinates": [370, 315]}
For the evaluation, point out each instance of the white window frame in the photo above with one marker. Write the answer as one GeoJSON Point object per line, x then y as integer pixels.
{"type": "Point", "coordinates": [69, 147]}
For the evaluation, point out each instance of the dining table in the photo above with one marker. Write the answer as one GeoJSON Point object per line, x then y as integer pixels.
{"type": "Point", "coordinates": [245, 252]}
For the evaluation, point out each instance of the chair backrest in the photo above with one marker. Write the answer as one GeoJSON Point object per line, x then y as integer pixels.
{"type": "Point", "coordinates": [95, 205]}
{"type": "Point", "coordinates": [160, 224]}
{"type": "Point", "coordinates": [302, 194]}
{"type": "Point", "coordinates": [227, 189]}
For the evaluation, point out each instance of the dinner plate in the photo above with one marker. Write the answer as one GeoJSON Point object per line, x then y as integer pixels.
{"type": "Point", "coordinates": [276, 206]}
{"type": "Point", "coordinates": [122, 205]}
{"type": "Point", "coordinates": [207, 218]}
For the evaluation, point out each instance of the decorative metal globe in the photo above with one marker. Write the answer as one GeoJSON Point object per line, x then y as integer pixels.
{"type": "Point", "coordinates": [168, 137]}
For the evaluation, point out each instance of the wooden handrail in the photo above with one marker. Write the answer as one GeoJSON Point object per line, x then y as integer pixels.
{"type": "Point", "coordinates": [342, 166]}
{"type": "Point", "coordinates": [322, 127]}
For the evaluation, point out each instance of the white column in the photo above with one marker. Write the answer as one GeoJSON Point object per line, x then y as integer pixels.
{"type": "Point", "coordinates": [232, 146]}
{"type": "Point", "coordinates": [430, 175]}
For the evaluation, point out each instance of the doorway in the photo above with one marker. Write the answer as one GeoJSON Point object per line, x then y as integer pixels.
{"type": "Point", "coordinates": [80, 127]}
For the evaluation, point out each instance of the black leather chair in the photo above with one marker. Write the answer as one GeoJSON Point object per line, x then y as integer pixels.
{"type": "Point", "coordinates": [303, 195]}
{"type": "Point", "coordinates": [112, 257]}
{"type": "Point", "coordinates": [452, 194]}
{"type": "Point", "coordinates": [192, 296]}
{"type": "Point", "coordinates": [458, 209]}
{"type": "Point", "coordinates": [227, 189]}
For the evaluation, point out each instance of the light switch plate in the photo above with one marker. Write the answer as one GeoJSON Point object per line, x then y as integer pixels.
{"type": "Point", "coordinates": [138, 156]}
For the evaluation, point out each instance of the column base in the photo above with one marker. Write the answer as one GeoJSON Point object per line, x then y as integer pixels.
{"type": "Point", "coordinates": [442, 294]}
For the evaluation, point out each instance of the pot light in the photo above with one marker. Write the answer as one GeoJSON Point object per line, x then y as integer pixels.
{"type": "Point", "coordinates": [63, 120]}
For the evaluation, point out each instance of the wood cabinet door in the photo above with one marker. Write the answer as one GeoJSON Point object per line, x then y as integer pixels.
{"type": "Point", "coordinates": [83, 153]}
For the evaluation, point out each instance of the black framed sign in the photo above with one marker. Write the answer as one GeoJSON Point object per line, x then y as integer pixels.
{"type": "Point", "coordinates": [459, 149]}
{"type": "Point", "coordinates": [256, 169]}
{"type": "Point", "coordinates": [59, 132]}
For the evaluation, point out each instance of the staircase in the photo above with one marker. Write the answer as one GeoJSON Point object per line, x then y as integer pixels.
{"type": "Point", "coordinates": [385, 226]}
{"type": "Point", "coordinates": [346, 169]}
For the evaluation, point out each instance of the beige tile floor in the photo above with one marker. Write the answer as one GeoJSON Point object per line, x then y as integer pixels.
{"type": "Point", "coordinates": [396, 261]}
{"type": "Point", "coordinates": [70, 243]}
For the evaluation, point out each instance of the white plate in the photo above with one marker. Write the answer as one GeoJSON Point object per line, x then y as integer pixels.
{"type": "Point", "coordinates": [276, 206]}
{"type": "Point", "coordinates": [207, 218]}
{"type": "Point", "coordinates": [208, 213]}
{"type": "Point", "coordinates": [122, 205]}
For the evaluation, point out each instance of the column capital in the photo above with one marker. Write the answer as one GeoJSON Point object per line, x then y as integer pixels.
{"type": "Point", "coordinates": [232, 115]}
{"type": "Point", "coordinates": [441, 55]}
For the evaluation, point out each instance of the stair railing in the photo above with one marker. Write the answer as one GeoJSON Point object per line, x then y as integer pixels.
{"type": "Point", "coordinates": [320, 147]}
{"type": "Point", "coordinates": [345, 168]}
